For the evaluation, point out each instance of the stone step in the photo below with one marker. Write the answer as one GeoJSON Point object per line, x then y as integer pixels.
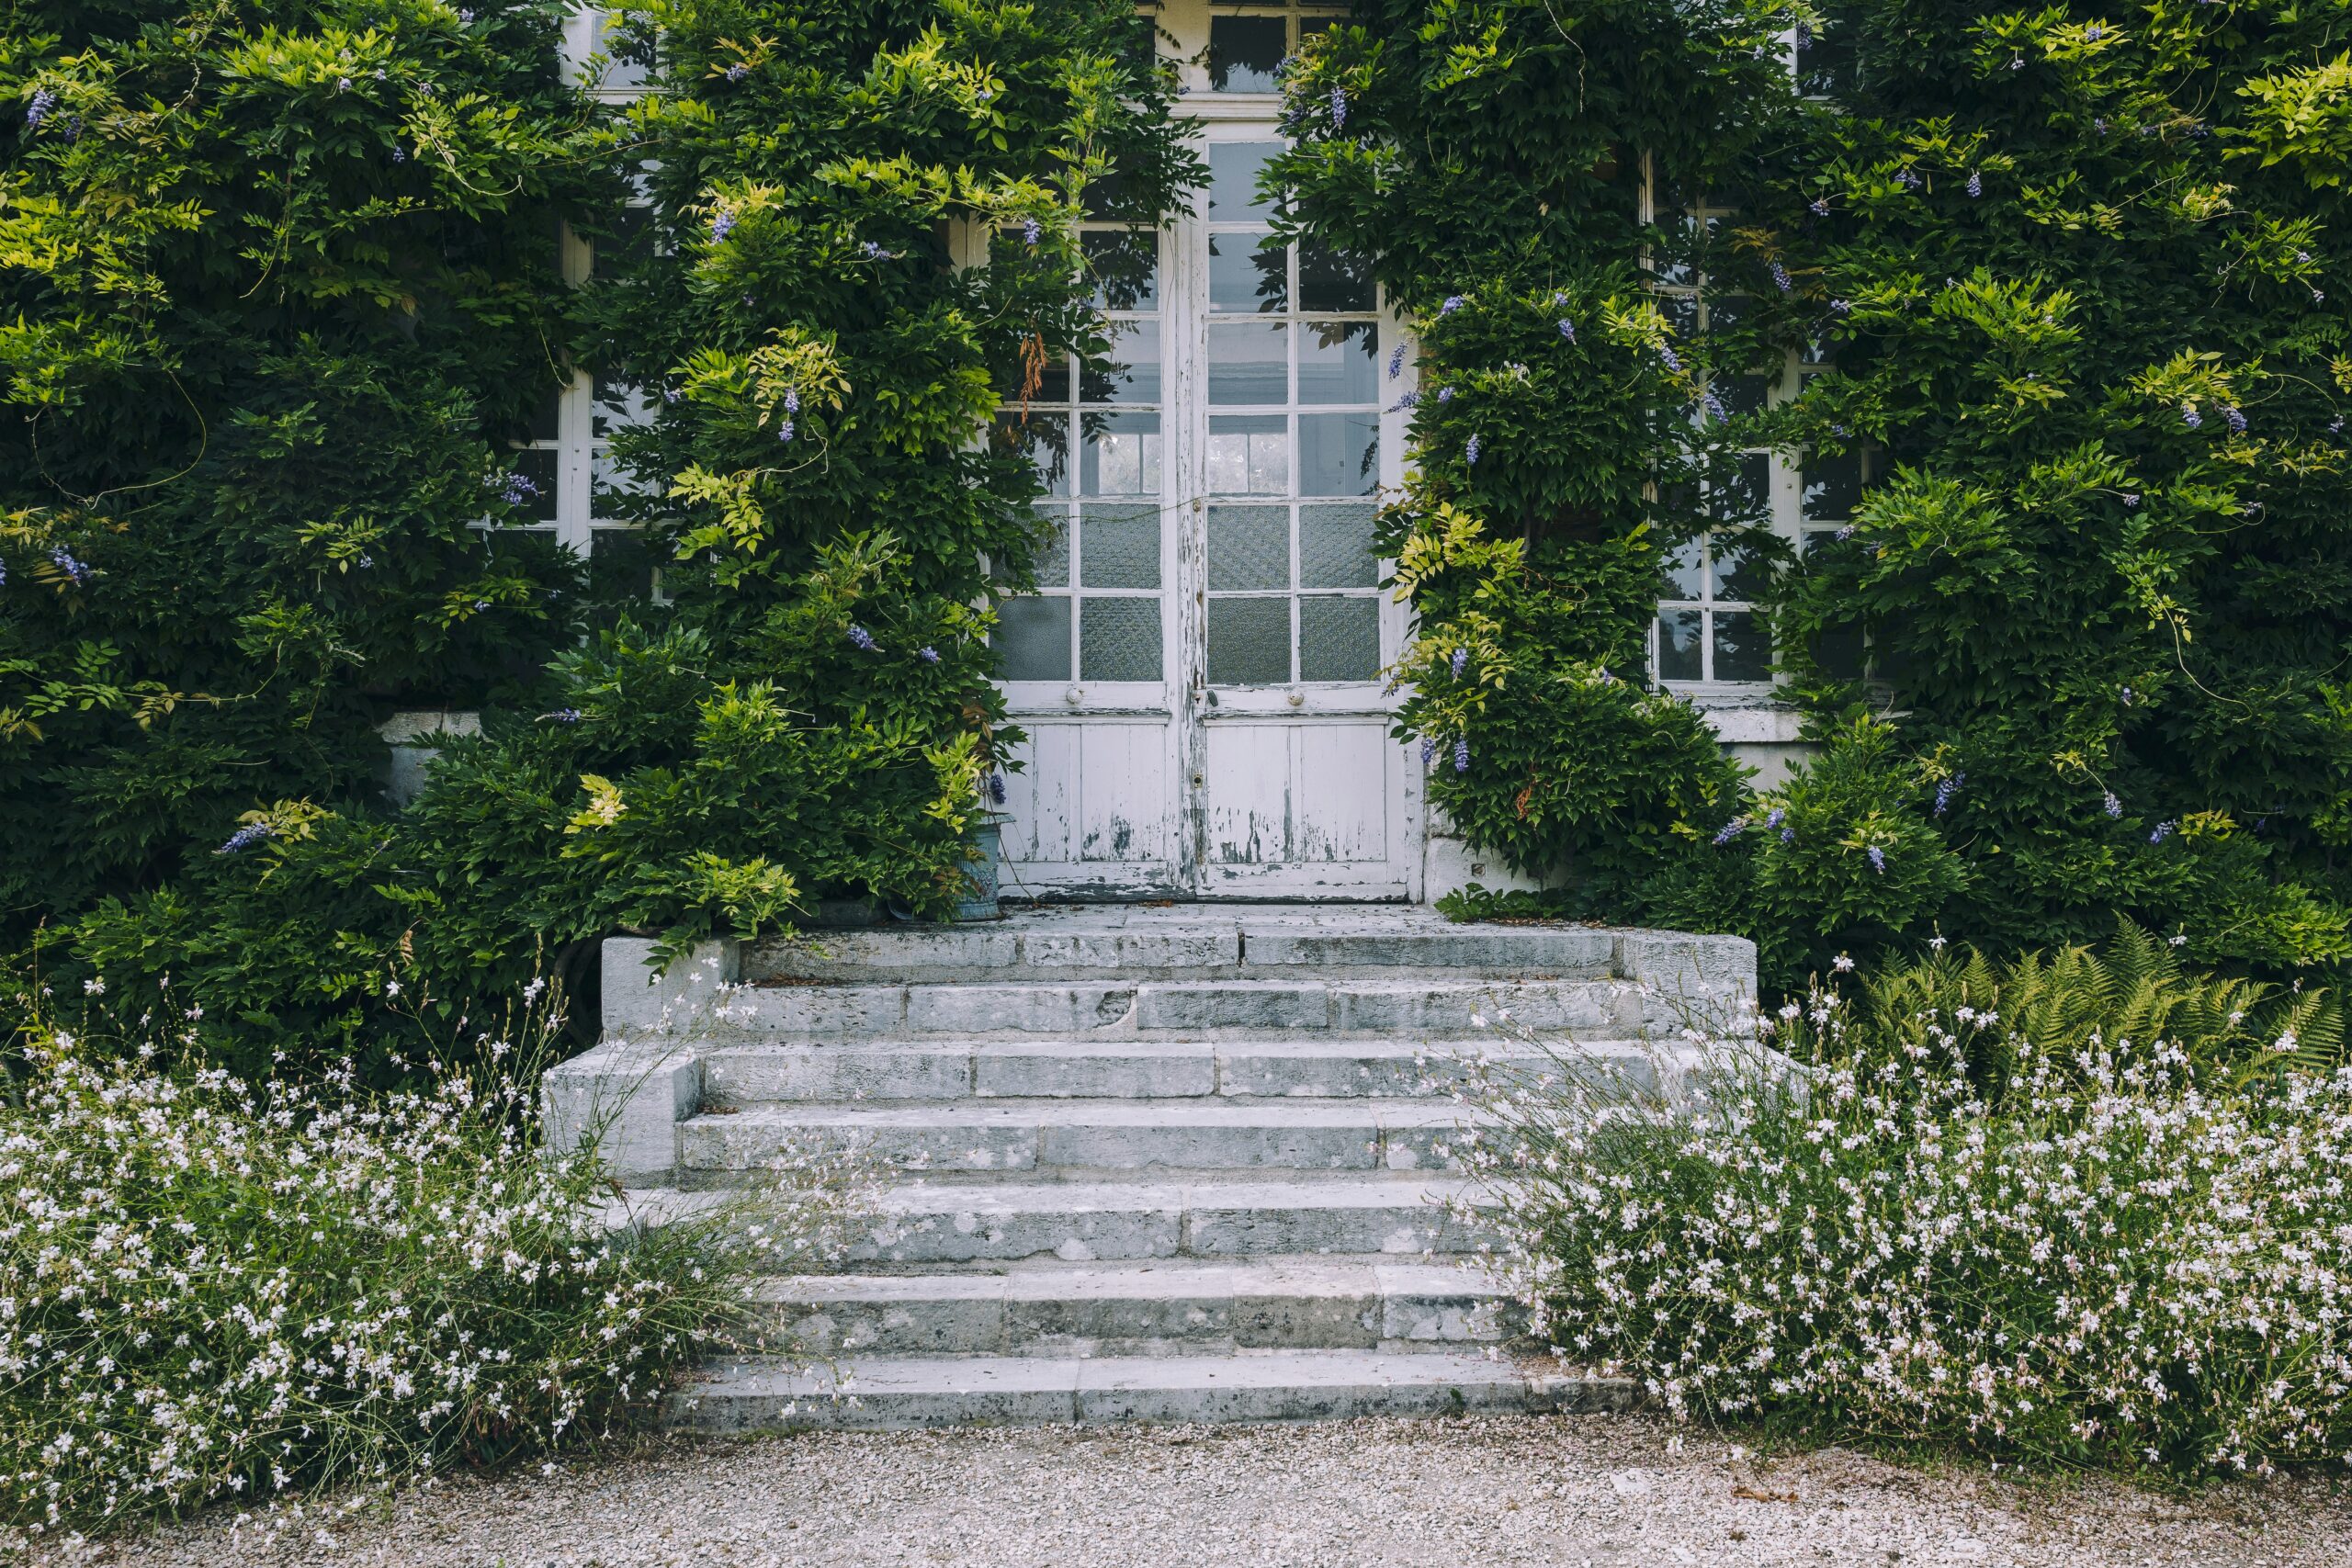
{"type": "Point", "coordinates": [1151, 1069]}
{"type": "Point", "coordinates": [1093, 1134]}
{"type": "Point", "coordinates": [1276, 1385]}
{"type": "Point", "coordinates": [1195, 941]}
{"type": "Point", "coordinates": [1161, 1307]}
{"type": "Point", "coordinates": [1183, 1009]}
{"type": "Point", "coordinates": [1376, 1213]}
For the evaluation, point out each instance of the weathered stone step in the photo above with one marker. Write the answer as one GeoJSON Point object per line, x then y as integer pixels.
{"type": "Point", "coordinates": [1427, 1009]}
{"type": "Point", "coordinates": [944, 1222]}
{"type": "Point", "coordinates": [1094, 1134]}
{"type": "Point", "coordinates": [1277, 1385]}
{"type": "Point", "coordinates": [1195, 941]}
{"type": "Point", "coordinates": [1151, 1069]}
{"type": "Point", "coordinates": [1161, 1307]}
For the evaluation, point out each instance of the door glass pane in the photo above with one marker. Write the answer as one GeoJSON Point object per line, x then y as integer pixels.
{"type": "Point", "coordinates": [1339, 639]}
{"type": "Point", "coordinates": [1339, 454]}
{"type": "Point", "coordinates": [1249, 642]}
{"type": "Point", "coordinates": [1125, 266]}
{"type": "Point", "coordinates": [1742, 648]}
{"type": "Point", "coordinates": [1032, 639]}
{"type": "Point", "coordinates": [1247, 363]}
{"type": "Point", "coordinates": [1043, 439]}
{"type": "Point", "coordinates": [1121, 455]}
{"type": "Point", "coordinates": [1133, 376]}
{"type": "Point", "coordinates": [1338, 362]}
{"type": "Point", "coordinates": [1053, 546]}
{"type": "Point", "coordinates": [1332, 280]}
{"type": "Point", "coordinates": [1246, 52]}
{"type": "Point", "coordinates": [1248, 274]}
{"type": "Point", "coordinates": [1678, 644]}
{"type": "Point", "coordinates": [1118, 640]}
{"type": "Point", "coordinates": [1119, 547]}
{"type": "Point", "coordinates": [1335, 548]}
{"type": "Point", "coordinates": [1249, 455]}
{"type": "Point", "coordinates": [1233, 180]}
{"type": "Point", "coordinates": [1249, 547]}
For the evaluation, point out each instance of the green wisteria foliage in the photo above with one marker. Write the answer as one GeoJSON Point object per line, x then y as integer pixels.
{"type": "Point", "coordinates": [2064, 281]}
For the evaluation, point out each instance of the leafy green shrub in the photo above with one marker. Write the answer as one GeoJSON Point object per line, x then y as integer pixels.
{"type": "Point", "coordinates": [2080, 1210]}
{"type": "Point", "coordinates": [223, 1289]}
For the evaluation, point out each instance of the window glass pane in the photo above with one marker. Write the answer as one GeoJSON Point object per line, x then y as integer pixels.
{"type": "Point", "coordinates": [1332, 280]}
{"type": "Point", "coordinates": [619, 406]}
{"type": "Point", "coordinates": [1676, 259]}
{"type": "Point", "coordinates": [1825, 62]}
{"type": "Point", "coordinates": [1838, 651]}
{"type": "Point", "coordinates": [1249, 455]}
{"type": "Point", "coordinates": [1125, 266]}
{"type": "Point", "coordinates": [1133, 376]}
{"type": "Point", "coordinates": [1739, 571]}
{"type": "Point", "coordinates": [1339, 454]}
{"type": "Point", "coordinates": [1681, 313]}
{"type": "Point", "coordinates": [1249, 642]}
{"type": "Point", "coordinates": [1310, 25]}
{"type": "Point", "coordinates": [1742, 648]}
{"type": "Point", "coordinates": [547, 418]}
{"type": "Point", "coordinates": [608, 480]}
{"type": "Point", "coordinates": [1745, 493]}
{"type": "Point", "coordinates": [536, 468]}
{"type": "Point", "coordinates": [619, 566]}
{"type": "Point", "coordinates": [1742, 395]}
{"type": "Point", "coordinates": [1678, 644]}
{"type": "Point", "coordinates": [1832, 486]}
{"type": "Point", "coordinates": [1053, 546]}
{"type": "Point", "coordinates": [1035, 378]}
{"type": "Point", "coordinates": [1032, 639]}
{"type": "Point", "coordinates": [1339, 639]}
{"type": "Point", "coordinates": [1335, 548]}
{"type": "Point", "coordinates": [1244, 53]}
{"type": "Point", "coordinates": [1233, 179]}
{"type": "Point", "coordinates": [1248, 274]}
{"type": "Point", "coordinates": [1685, 571]}
{"type": "Point", "coordinates": [1122, 455]}
{"type": "Point", "coordinates": [1118, 640]}
{"type": "Point", "coordinates": [1119, 547]}
{"type": "Point", "coordinates": [1043, 439]}
{"type": "Point", "coordinates": [1249, 547]}
{"type": "Point", "coordinates": [1249, 362]}
{"type": "Point", "coordinates": [1338, 362]}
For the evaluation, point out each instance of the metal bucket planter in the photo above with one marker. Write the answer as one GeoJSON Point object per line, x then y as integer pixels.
{"type": "Point", "coordinates": [978, 902]}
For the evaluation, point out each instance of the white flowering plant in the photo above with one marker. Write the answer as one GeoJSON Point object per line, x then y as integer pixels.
{"type": "Point", "coordinates": [214, 1289]}
{"type": "Point", "coordinates": [2040, 1238]}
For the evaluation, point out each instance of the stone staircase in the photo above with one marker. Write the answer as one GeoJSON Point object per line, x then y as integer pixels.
{"type": "Point", "coordinates": [1182, 1162]}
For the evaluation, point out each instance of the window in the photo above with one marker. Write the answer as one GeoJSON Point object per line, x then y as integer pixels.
{"type": "Point", "coordinates": [1248, 44]}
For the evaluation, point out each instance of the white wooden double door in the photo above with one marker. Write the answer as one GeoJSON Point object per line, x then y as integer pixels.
{"type": "Point", "coordinates": [1201, 674]}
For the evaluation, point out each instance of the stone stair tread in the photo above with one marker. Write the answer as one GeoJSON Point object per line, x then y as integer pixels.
{"type": "Point", "coordinates": [1428, 1111]}
{"type": "Point", "coordinates": [1224, 1190]}
{"type": "Point", "coordinates": [1164, 1278]}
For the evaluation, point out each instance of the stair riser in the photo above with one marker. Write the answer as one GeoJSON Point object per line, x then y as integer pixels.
{"type": "Point", "coordinates": [713, 1152]}
{"type": "Point", "coordinates": [1129, 1326]}
{"type": "Point", "coordinates": [1440, 1010]}
{"type": "Point", "coordinates": [1404, 1231]}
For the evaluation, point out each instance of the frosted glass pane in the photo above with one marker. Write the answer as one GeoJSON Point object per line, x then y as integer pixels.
{"type": "Point", "coordinates": [1249, 547]}
{"type": "Point", "coordinates": [1119, 547]}
{"type": "Point", "coordinates": [1678, 644]}
{"type": "Point", "coordinates": [1053, 548]}
{"type": "Point", "coordinates": [1122, 455]}
{"type": "Point", "coordinates": [1249, 455]}
{"type": "Point", "coordinates": [1118, 640]}
{"type": "Point", "coordinates": [1125, 267]}
{"type": "Point", "coordinates": [1335, 548]}
{"type": "Point", "coordinates": [1233, 180]}
{"type": "Point", "coordinates": [1249, 642]}
{"type": "Point", "coordinates": [1246, 274]}
{"type": "Point", "coordinates": [1339, 639]}
{"type": "Point", "coordinates": [1333, 280]}
{"type": "Point", "coordinates": [1031, 640]}
{"type": "Point", "coordinates": [1246, 53]}
{"type": "Point", "coordinates": [1133, 376]}
{"type": "Point", "coordinates": [1338, 362]}
{"type": "Point", "coordinates": [1043, 439]}
{"type": "Point", "coordinates": [1247, 363]}
{"type": "Point", "coordinates": [1339, 454]}
{"type": "Point", "coordinates": [1743, 647]}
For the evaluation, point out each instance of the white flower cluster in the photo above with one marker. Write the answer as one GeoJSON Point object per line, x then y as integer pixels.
{"type": "Point", "coordinates": [2095, 1255]}
{"type": "Point", "coordinates": [210, 1289]}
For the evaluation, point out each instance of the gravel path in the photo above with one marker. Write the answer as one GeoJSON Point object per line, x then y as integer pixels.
{"type": "Point", "coordinates": [1573, 1490]}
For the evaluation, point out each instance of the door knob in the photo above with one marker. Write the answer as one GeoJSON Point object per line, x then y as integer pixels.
{"type": "Point", "coordinates": [1297, 699]}
{"type": "Point", "coordinates": [1073, 696]}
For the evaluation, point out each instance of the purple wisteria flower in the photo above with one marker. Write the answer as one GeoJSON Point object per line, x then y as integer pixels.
{"type": "Point", "coordinates": [1780, 279]}
{"type": "Point", "coordinates": [246, 838]}
{"type": "Point", "coordinates": [1820, 205]}
{"type": "Point", "coordinates": [1975, 182]}
{"type": "Point", "coordinates": [2130, 497]}
{"type": "Point", "coordinates": [1877, 860]}
{"type": "Point", "coordinates": [928, 654]}
{"type": "Point", "coordinates": [1339, 109]}
{"type": "Point", "coordinates": [737, 70]}
{"type": "Point", "coordinates": [2237, 417]}
{"type": "Point", "coordinates": [2164, 830]}
{"type": "Point", "coordinates": [2099, 124]}
{"type": "Point", "coordinates": [1405, 400]}
{"type": "Point", "coordinates": [2191, 417]}
{"type": "Point", "coordinates": [343, 84]}
{"type": "Point", "coordinates": [1946, 790]}
{"type": "Point", "coordinates": [566, 715]}
{"type": "Point", "coordinates": [1461, 754]}
{"type": "Point", "coordinates": [1714, 406]}
{"type": "Point", "coordinates": [43, 101]}
{"type": "Point", "coordinates": [1567, 329]}
{"type": "Point", "coordinates": [1672, 360]}
{"type": "Point", "coordinates": [1470, 452]}
{"type": "Point", "coordinates": [4, 574]}
{"type": "Point", "coordinates": [721, 225]}
{"type": "Point", "coordinates": [516, 488]}
{"type": "Point", "coordinates": [1428, 748]}
{"type": "Point", "coordinates": [1452, 303]}
{"type": "Point", "coordinates": [792, 400]}
{"type": "Point", "coordinates": [2113, 805]}
{"type": "Point", "coordinates": [1031, 230]}
{"type": "Point", "coordinates": [1459, 662]}
{"type": "Point", "coordinates": [860, 639]}
{"type": "Point", "coordinates": [1775, 817]}
{"type": "Point", "coordinates": [783, 430]}
{"type": "Point", "coordinates": [1446, 394]}
{"type": "Point", "coordinates": [399, 155]}
{"type": "Point", "coordinates": [1907, 179]}
{"type": "Point", "coordinates": [63, 559]}
{"type": "Point", "coordinates": [1396, 362]}
{"type": "Point", "coordinates": [2093, 33]}
{"type": "Point", "coordinates": [1730, 830]}
{"type": "Point", "coordinates": [1841, 306]}
{"type": "Point", "coordinates": [874, 252]}
{"type": "Point", "coordinates": [1788, 835]}
{"type": "Point", "coordinates": [996, 788]}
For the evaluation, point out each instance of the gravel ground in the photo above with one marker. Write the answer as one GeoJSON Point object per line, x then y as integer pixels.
{"type": "Point", "coordinates": [1571, 1491]}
